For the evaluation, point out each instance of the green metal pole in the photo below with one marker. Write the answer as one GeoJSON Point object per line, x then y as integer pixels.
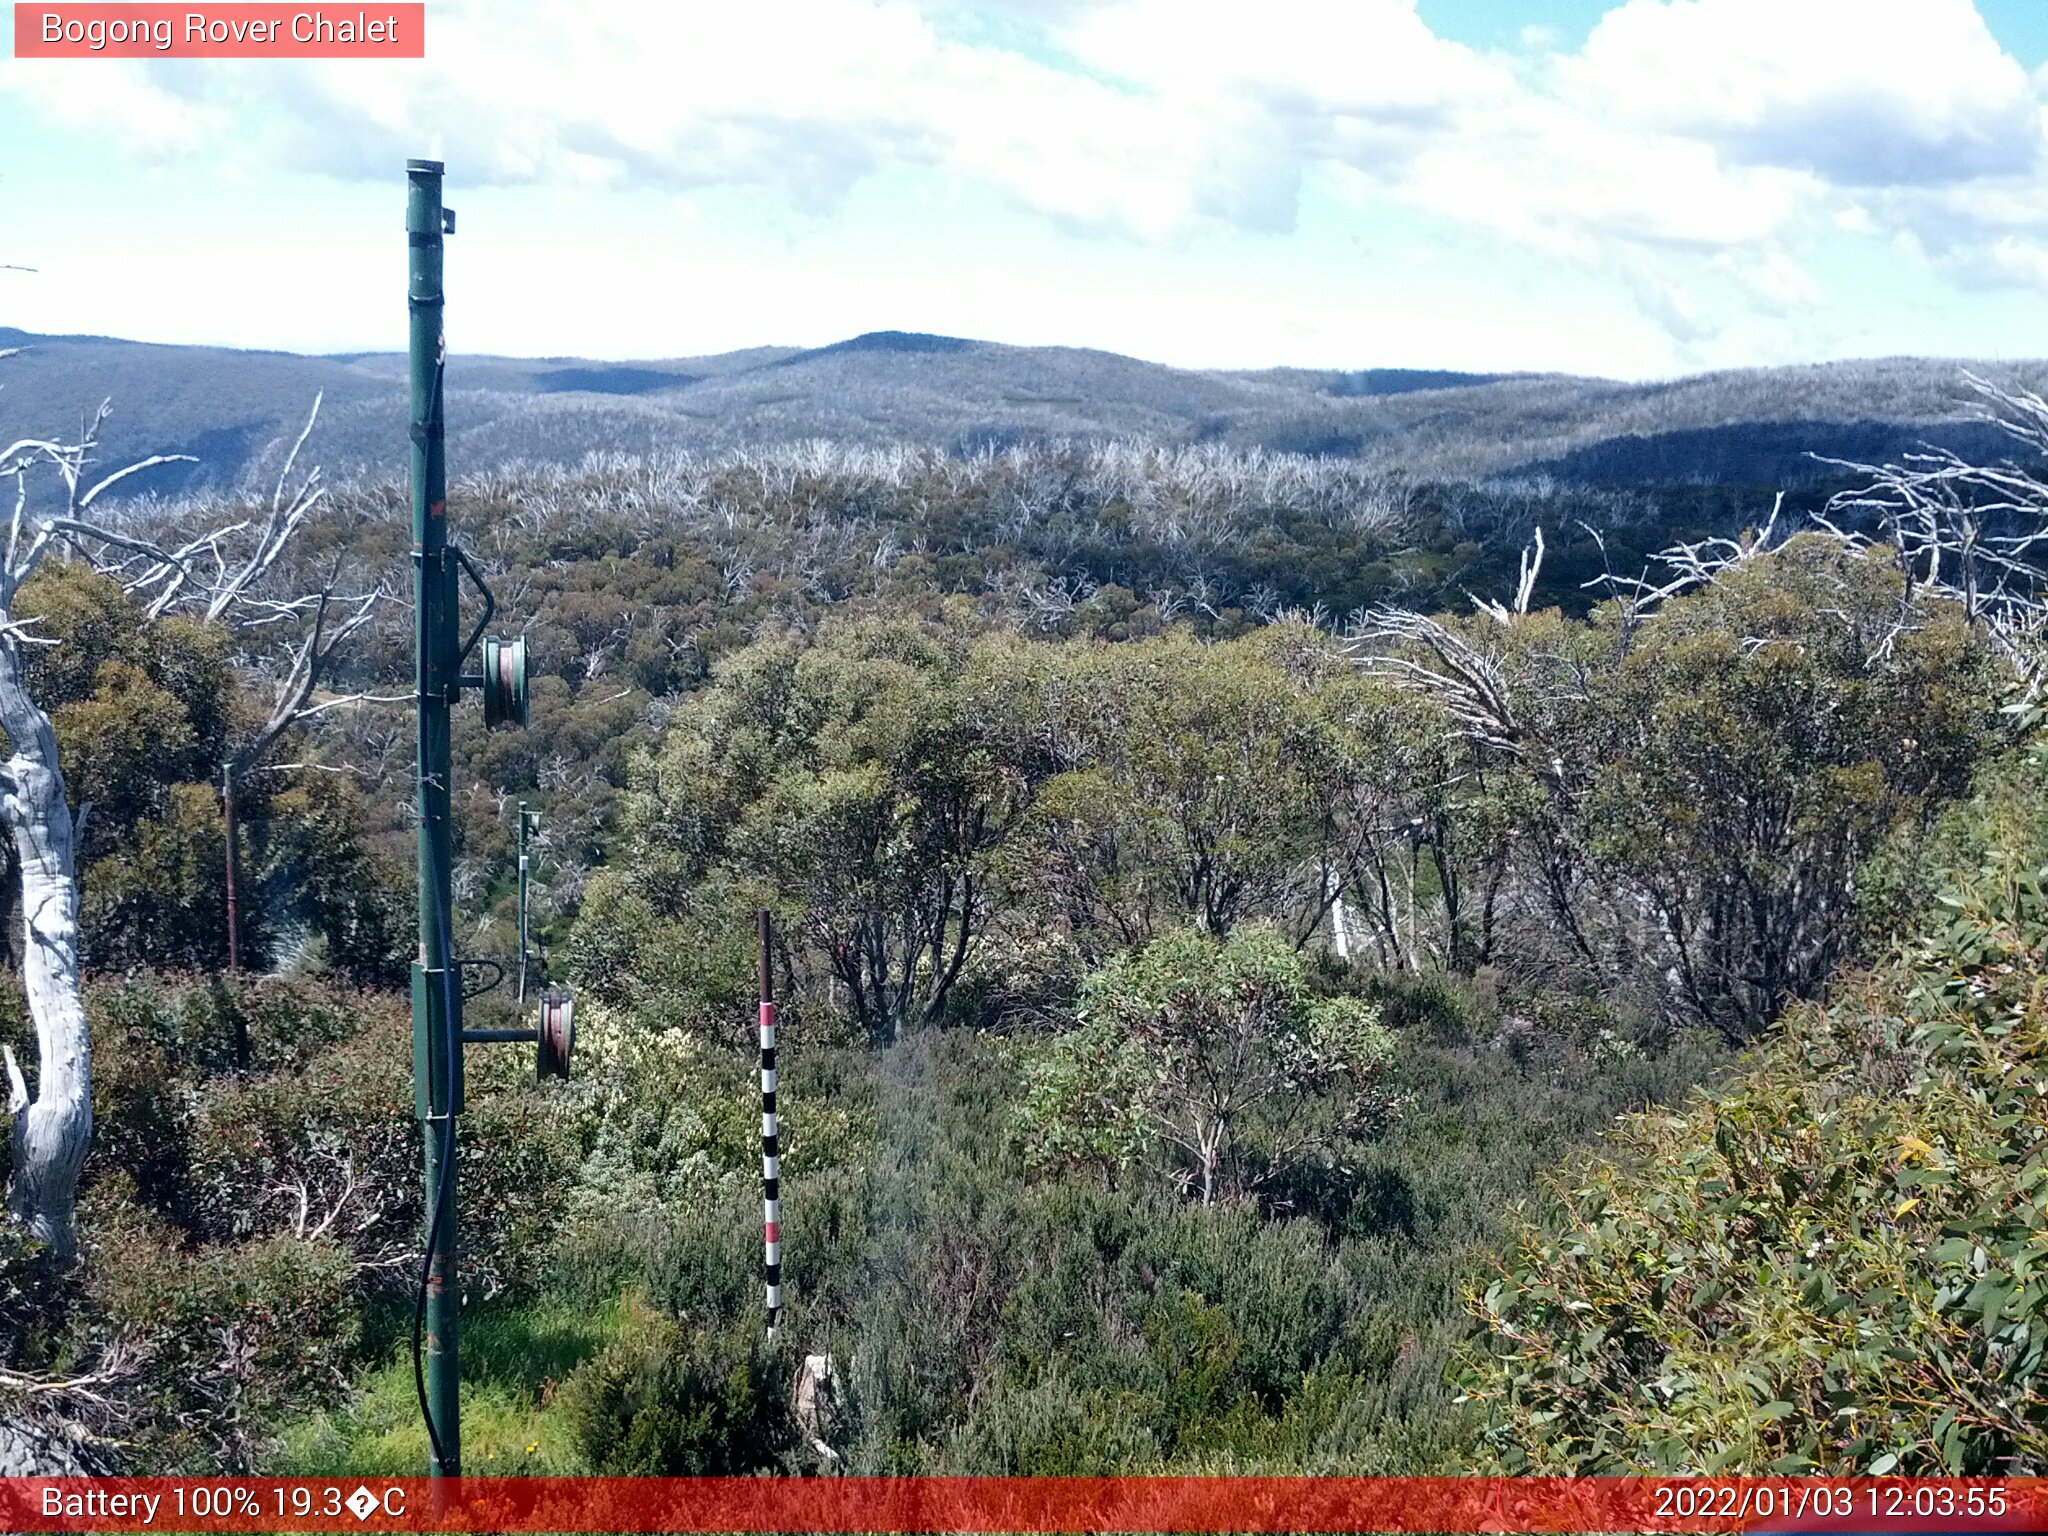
{"type": "Point", "coordinates": [436, 1002]}
{"type": "Point", "coordinates": [522, 903]}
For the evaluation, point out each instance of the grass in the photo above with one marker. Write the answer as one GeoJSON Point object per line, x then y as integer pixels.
{"type": "Point", "coordinates": [513, 1354]}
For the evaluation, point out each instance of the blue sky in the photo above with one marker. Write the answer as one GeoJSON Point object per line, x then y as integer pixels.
{"type": "Point", "coordinates": [1631, 187]}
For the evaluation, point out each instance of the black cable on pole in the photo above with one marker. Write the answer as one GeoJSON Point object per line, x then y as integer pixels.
{"type": "Point", "coordinates": [442, 1190]}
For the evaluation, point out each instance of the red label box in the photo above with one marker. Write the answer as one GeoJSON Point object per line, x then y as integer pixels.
{"type": "Point", "coordinates": [258, 30]}
{"type": "Point", "coordinates": [1543, 1506]}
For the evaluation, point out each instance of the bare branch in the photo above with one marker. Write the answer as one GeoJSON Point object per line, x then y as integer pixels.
{"type": "Point", "coordinates": [133, 469]}
{"type": "Point", "coordinates": [1525, 586]}
{"type": "Point", "coordinates": [277, 496]}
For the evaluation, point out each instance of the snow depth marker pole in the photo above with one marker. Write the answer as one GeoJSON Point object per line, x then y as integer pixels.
{"type": "Point", "coordinates": [771, 1158]}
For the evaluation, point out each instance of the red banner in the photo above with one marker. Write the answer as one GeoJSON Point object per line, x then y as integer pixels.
{"type": "Point", "coordinates": [221, 31]}
{"type": "Point", "coordinates": [929, 1504]}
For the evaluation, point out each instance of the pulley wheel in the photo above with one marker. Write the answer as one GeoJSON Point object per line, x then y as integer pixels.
{"type": "Point", "coordinates": [504, 681]}
{"type": "Point", "coordinates": [557, 1031]}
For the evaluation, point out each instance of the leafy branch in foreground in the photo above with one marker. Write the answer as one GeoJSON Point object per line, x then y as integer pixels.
{"type": "Point", "coordinates": [1832, 1267]}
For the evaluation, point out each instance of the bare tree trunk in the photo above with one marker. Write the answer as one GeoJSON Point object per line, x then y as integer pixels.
{"type": "Point", "coordinates": [50, 1131]}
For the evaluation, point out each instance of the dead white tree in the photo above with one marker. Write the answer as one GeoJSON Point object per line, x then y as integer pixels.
{"type": "Point", "coordinates": [317, 624]}
{"type": "Point", "coordinates": [226, 575]}
{"type": "Point", "coordinates": [52, 1126]}
{"type": "Point", "coordinates": [220, 574]}
{"type": "Point", "coordinates": [1525, 585]}
{"type": "Point", "coordinates": [1971, 533]}
{"type": "Point", "coordinates": [1422, 655]}
{"type": "Point", "coordinates": [1680, 568]}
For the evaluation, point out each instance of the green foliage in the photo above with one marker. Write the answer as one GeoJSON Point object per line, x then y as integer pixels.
{"type": "Point", "coordinates": [685, 963]}
{"type": "Point", "coordinates": [988, 1320]}
{"type": "Point", "coordinates": [163, 899]}
{"type": "Point", "coordinates": [955, 823]}
{"type": "Point", "coordinates": [146, 711]}
{"type": "Point", "coordinates": [232, 1337]}
{"type": "Point", "coordinates": [252, 1204]}
{"type": "Point", "coordinates": [859, 780]}
{"type": "Point", "coordinates": [1213, 1056]}
{"type": "Point", "coordinates": [322, 863]}
{"type": "Point", "coordinates": [665, 1399]}
{"type": "Point", "coordinates": [137, 701]}
{"type": "Point", "coordinates": [1166, 828]}
{"type": "Point", "coordinates": [931, 805]}
{"type": "Point", "coordinates": [662, 1119]}
{"type": "Point", "coordinates": [1196, 782]}
{"type": "Point", "coordinates": [106, 654]}
{"type": "Point", "coordinates": [1756, 744]}
{"type": "Point", "coordinates": [1084, 1104]}
{"type": "Point", "coordinates": [1044, 767]}
{"type": "Point", "coordinates": [142, 710]}
{"type": "Point", "coordinates": [1832, 1266]}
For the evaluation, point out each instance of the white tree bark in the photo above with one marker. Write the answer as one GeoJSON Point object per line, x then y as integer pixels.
{"type": "Point", "coordinates": [51, 1129]}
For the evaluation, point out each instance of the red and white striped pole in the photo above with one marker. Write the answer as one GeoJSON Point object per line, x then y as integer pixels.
{"type": "Point", "coordinates": [771, 1158]}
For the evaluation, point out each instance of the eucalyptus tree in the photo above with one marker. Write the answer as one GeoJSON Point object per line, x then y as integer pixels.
{"type": "Point", "coordinates": [862, 780]}
{"type": "Point", "coordinates": [1198, 783]}
{"type": "Point", "coordinates": [1212, 1060]}
{"type": "Point", "coordinates": [220, 573]}
{"type": "Point", "coordinates": [1707, 762]}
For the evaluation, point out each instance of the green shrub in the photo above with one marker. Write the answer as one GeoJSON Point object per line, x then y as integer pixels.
{"type": "Point", "coordinates": [1213, 1058]}
{"type": "Point", "coordinates": [1055, 1428]}
{"type": "Point", "coordinates": [986, 1320]}
{"type": "Point", "coordinates": [252, 1203]}
{"type": "Point", "coordinates": [1448, 1008]}
{"type": "Point", "coordinates": [1832, 1266]}
{"type": "Point", "coordinates": [669, 1399]}
{"type": "Point", "coordinates": [223, 1339]}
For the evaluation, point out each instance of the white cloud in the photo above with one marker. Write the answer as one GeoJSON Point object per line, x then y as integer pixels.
{"type": "Point", "coordinates": [1370, 59]}
{"type": "Point", "coordinates": [1781, 283]}
{"type": "Point", "coordinates": [1691, 153]}
{"type": "Point", "coordinates": [2006, 261]}
{"type": "Point", "coordinates": [1553, 178]}
{"type": "Point", "coordinates": [125, 100]}
{"type": "Point", "coordinates": [1180, 111]}
{"type": "Point", "coordinates": [1861, 92]}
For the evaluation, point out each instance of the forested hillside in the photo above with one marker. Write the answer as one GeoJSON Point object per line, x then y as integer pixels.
{"type": "Point", "coordinates": [1755, 429]}
{"type": "Point", "coordinates": [1212, 888]}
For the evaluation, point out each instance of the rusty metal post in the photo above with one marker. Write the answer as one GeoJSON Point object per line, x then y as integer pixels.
{"type": "Point", "coordinates": [227, 801]}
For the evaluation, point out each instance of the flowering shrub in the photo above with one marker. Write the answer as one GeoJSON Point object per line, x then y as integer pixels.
{"type": "Point", "coordinates": [1832, 1266]}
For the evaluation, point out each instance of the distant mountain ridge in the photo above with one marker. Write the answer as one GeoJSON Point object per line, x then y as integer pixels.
{"type": "Point", "coordinates": [234, 408]}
